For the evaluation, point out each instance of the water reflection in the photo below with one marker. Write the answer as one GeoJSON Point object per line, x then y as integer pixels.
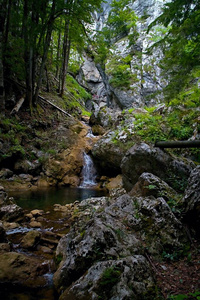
{"type": "Point", "coordinates": [46, 198]}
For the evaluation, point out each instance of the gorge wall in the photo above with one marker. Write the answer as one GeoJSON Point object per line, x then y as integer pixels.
{"type": "Point", "coordinates": [146, 85]}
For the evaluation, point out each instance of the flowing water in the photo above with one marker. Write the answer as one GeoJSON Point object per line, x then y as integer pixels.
{"type": "Point", "coordinates": [89, 173]}
{"type": "Point", "coordinates": [53, 221]}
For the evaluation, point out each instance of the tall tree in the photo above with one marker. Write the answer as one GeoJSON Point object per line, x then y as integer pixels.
{"type": "Point", "coordinates": [181, 43]}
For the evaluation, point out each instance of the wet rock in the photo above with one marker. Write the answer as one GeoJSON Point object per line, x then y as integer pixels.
{"type": "Point", "coordinates": [144, 158]}
{"type": "Point", "coordinates": [191, 200]}
{"type": "Point", "coordinates": [5, 247]}
{"type": "Point", "coordinates": [19, 269]}
{"type": "Point", "coordinates": [128, 278]}
{"type": "Point", "coordinates": [10, 226]}
{"type": "Point", "coordinates": [6, 173]}
{"type": "Point", "coordinates": [11, 213]}
{"type": "Point", "coordinates": [31, 239]}
{"type": "Point", "coordinates": [37, 212]}
{"type": "Point", "coordinates": [35, 224]}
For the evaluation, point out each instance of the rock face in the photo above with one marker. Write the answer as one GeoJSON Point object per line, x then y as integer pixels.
{"type": "Point", "coordinates": [146, 88]}
{"type": "Point", "coordinates": [107, 155]}
{"type": "Point", "coordinates": [191, 200]}
{"type": "Point", "coordinates": [143, 158]}
{"type": "Point", "coordinates": [110, 239]}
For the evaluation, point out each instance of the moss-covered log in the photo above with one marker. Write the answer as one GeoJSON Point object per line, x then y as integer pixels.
{"type": "Point", "coordinates": [178, 144]}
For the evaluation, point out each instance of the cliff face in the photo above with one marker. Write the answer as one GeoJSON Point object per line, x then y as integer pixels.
{"type": "Point", "coordinates": [147, 84]}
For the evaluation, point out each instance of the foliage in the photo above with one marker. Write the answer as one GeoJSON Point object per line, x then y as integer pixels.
{"type": "Point", "coordinates": [119, 68]}
{"type": "Point", "coordinates": [191, 296]}
{"type": "Point", "coordinates": [180, 42]}
{"type": "Point", "coordinates": [110, 277]}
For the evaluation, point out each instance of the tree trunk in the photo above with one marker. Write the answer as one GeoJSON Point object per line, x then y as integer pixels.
{"type": "Point", "coordinates": [178, 144]}
{"type": "Point", "coordinates": [45, 51]}
{"type": "Point", "coordinates": [66, 52]}
{"type": "Point", "coordinates": [58, 54]}
{"type": "Point", "coordinates": [2, 25]}
{"type": "Point", "coordinates": [2, 93]}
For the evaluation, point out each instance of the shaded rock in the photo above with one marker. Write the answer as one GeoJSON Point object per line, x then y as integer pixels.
{"type": "Point", "coordinates": [128, 278]}
{"type": "Point", "coordinates": [5, 247]}
{"type": "Point", "coordinates": [2, 234]}
{"type": "Point", "coordinates": [191, 200]}
{"type": "Point", "coordinates": [11, 213]}
{"type": "Point", "coordinates": [144, 158]}
{"type": "Point", "coordinates": [151, 185]}
{"type": "Point", "coordinates": [107, 156]}
{"type": "Point", "coordinates": [108, 229]}
{"type": "Point", "coordinates": [6, 173]}
{"type": "Point", "coordinates": [37, 212]}
{"type": "Point", "coordinates": [3, 195]}
{"type": "Point", "coordinates": [18, 269]}
{"type": "Point", "coordinates": [158, 227]}
{"type": "Point", "coordinates": [35, 224]}
{"type": "Point", "coordinates": [10, 226]}
{"type": "Point", "coordinates": [26, 166]}
{"type": "Point", "coordinates": [31, 239]}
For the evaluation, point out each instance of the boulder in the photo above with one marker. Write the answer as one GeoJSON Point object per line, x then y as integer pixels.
{"type": "Point", "coordinates": [128, 278]}
{"type": "Point", "coordinates": [191, 200]}
{"type": "Point", "coordinates": [11, 213]}
{"type": "Point", "coordinates": [31, 239]}
{"type": "Point", "coordinates": [19, 269]}
{"type": "Point", "coordinates": [109, 229]}
{"type": "Point", "coordinates": [151, 185]}
{"type": "Point", "coordinates": [107, 156]}
{"type": "Point", "coordinates": [5, 173]}
{"type": "Point", "coordinates": [144, 158]}
{"type": "Point", "coordinates": [3, 195]}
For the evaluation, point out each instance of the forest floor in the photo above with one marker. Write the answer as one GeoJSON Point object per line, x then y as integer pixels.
{"type": "Point", "coordinates": [180, 277]}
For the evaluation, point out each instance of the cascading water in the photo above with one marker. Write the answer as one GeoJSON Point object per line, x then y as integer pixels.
{"type": "Point", "coordinates": [89, 172]}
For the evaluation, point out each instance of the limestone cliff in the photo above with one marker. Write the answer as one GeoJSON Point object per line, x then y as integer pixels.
{"type": "Point", "coordinates": [147, 84]}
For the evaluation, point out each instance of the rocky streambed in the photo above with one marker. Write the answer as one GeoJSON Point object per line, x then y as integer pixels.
{"type": "Point", "coordinates": [115, 247]}
{"type": "Point", "coordinates": [28, 239]}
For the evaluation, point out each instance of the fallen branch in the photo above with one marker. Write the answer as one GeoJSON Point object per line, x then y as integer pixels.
{"type": "Point", "coordinates": [178, 144]}
{"type": "Point", "coordinates": [17, 106]}
{"type": "Point", "coordinates": [60, 109]}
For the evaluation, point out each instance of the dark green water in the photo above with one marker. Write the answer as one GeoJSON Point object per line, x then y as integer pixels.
{"type": "Point", "coordinates": [45, 198]}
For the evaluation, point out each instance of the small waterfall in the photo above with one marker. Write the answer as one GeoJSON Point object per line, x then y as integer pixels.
{"type": "Point", "coordinates": [88, 172]}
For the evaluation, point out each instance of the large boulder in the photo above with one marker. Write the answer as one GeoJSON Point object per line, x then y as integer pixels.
{"type": "Point", "coordinates": [31, 239]}
{"type": "Point", "coordinates": [144, 158]}
{"type": "Point", "coordinates": [19, 269]}
{"type": "Point", "coordinates": [107, 156]}
{"type": "Point", "coordinates": [191, 200]}
{"type": "Point", "coordinates": [108, 230]}
{"type": "Point", "coordinates": [151, 185]}
{"type": "Point", "coordinates": [112, 279]}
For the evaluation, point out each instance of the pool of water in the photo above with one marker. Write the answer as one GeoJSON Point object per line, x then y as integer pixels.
{"type": "Point", "coordinates": [45, 198]}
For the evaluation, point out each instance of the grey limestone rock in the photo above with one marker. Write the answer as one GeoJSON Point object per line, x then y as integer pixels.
{"type": "Point", "coordinates": [144, 158]}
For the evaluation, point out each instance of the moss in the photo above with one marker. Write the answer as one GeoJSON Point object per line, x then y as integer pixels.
{"type": "Point", "coordinates": [109, 278]}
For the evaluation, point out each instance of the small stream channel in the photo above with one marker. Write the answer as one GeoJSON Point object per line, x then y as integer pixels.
{"type": "Point", "coordinates": [53, 222]}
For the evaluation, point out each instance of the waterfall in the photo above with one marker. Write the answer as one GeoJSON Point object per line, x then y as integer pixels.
{"type": "Point", "coordinates": [88, 172]}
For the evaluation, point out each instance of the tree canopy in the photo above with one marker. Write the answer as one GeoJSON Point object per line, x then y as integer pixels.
{"type": "Point", "coordinates": [35, 32]}
{"type": "Point", "coordinates": [181, 42]}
